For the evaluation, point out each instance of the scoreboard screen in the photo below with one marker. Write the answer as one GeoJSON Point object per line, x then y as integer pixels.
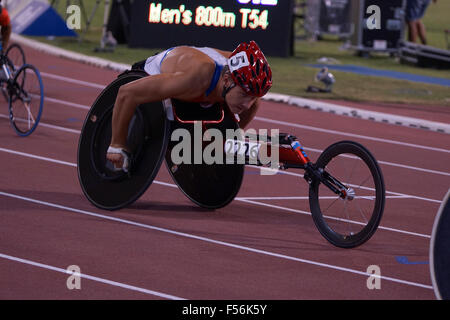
{"type": "Point", "coordinates": [221, 24]}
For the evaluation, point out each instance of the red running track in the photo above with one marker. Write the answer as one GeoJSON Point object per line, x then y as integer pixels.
{"type": "Point", "coordinates": [165, 247]}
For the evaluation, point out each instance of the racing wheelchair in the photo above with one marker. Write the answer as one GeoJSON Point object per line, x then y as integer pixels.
{"type": "Point", "coordinates": [22, 87]}
{"type": "Point", "coordinates": [346, 186]}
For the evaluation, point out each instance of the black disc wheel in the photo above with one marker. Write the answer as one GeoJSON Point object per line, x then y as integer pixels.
{"type": "Point", "coordinates": [147, 142]}
{"type": "Point", "coordinates": [349, 219]}
{"type": "Point", "coordinates": [211, 186]}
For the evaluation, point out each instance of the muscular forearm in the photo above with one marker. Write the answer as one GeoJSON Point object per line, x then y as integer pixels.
{"type": "Point", "coordinates": [124, 109]}
{"type": "Point", "coordinates": [6, 33]}
{"type": "Point", "coordinates": [145, 90]}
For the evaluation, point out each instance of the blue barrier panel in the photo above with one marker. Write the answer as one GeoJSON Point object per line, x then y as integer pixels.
{"type": "Point", "coordinates": [38, 18]}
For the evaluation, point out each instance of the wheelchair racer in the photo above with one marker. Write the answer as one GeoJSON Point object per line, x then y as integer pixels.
{"type": "Point", "coordinates": [203, 75]}
{"type": "Point", "coordinates": [5, 25]}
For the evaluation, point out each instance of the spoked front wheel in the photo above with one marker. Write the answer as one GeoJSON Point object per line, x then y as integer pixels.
{"type": "Point", "coordinates": [350, 217]}
{"type": "Point", "coordinates": [26, 100]}
{"type": "Point", "coordinates": [16, 55]}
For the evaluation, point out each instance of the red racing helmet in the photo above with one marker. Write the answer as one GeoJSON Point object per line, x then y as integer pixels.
{"type": "Point", "coordinates": [250, 69]}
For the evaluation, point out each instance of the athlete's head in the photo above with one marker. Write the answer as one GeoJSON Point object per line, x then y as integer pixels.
{"type": "Point", "coordinates": [250, 74]}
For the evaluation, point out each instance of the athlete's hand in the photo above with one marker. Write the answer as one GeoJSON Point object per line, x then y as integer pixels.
{"type": "Point", "coordinates": [119, 157]}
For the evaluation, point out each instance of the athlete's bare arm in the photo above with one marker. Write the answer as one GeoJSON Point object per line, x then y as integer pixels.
{"type": "Point", "coordinates": [187, 84]}
{"type": "Point", "coordinates": [186, 75]}
{"type": "Point", "coordinates": [247, 116]}
{"type": "Point", "coordinates": [6, 33]}
{"type": "Point", "coordinates": [148, 89]}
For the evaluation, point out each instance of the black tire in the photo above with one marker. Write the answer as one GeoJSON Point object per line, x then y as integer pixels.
{"type": "Point", "coordinates": [439, 257]}
{"type": "Point", "coordinates": [26, 100]}
{"type": "Point", "coordinates": [3, 81]}
{"type": "Point", "coordinates": [210, 186]}
{"type": "Point", "coordinates": [147, 140]}
{"type": "Point", "coordinates": [348, 223]}
{"type": "Point", "coordinates": [16, 55]}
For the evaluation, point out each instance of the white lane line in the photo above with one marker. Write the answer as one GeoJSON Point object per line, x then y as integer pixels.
{"type": "Point", "coordinates": [84, 107]}
{"type": "Point", "coordinates": [351, 221]}
{"type": "Point", "coordinates": [334, 132]}
{"type": "Point", "coordinates": [361, 187]}
{"type": "Point", "coordinates": [277, 97]}
{"type": "Point", "coordinates": [93, 278]}
{"type": "Point", "coordinates": [51, 126]}
{"type": "Point", "coordinates": [307, 198]}
{"type": "Point", "coordinates": [414, 197]}
{"type": "Point", "coordinates": [70, 104]}
{"type": "Point", "coordinates": [390, 164]}
{"type": "Point", "coordinates": [238, 199]}
{"type": "Point", "coordinates": [442, 173]}
{"type": "Point", "coordinates": [71, 80]}
{"type": "Point", "coordinates": [209, 240]}
{"type": "Point", "coordinates": [29, 155]}
{"type": "Point", "coordinates": [295, 125]}
{"type": "Point", "coordinates": [173, 185]}
{"type": "Point", "coordinates": [170, 185]}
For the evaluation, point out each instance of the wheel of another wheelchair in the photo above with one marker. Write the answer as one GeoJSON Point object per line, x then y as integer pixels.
{"type": "Point", "coordinates": [439, 247]}
{"type": "Point", "coordinates": [348, 222]}
{"type": "Point", "coordinates": [147, 140]}
{"type": "Point", "coordinates": [3, 82]}
{"type": "Point", "coordinates": [16, 55]}
{"type": "Point", "coordinates": [26, 100]}
{"type": "Point", "coordinates": [210, 186]}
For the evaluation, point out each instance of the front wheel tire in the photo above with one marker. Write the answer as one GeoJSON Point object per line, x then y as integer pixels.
{"type": "Point", "coordinates": [349, 221]}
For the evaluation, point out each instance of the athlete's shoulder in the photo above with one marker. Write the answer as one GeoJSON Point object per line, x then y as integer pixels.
{"type": "Point", "coordinates": [226, 54]}
{"type": "Point", "coordinates": [188, 59]}
{"type": "Point", "coordinates": [4, 18]}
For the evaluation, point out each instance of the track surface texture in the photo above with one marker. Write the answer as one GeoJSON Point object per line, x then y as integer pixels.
{"type": "Point", "coordinates": [263, 245]}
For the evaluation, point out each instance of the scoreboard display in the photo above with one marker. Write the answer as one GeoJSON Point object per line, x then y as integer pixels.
{"type": "Point", "coordinates": [221, 24]}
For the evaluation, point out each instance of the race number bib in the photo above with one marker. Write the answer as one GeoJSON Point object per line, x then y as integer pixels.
{"type": "Point", "coordinates": [238, 61]}
{"type": "Point", "coordinates": [242, 148]}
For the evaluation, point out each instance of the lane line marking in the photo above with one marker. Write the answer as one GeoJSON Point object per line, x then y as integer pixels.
{"type": "Point", "coordinates": [290, 100]}
{"type": "Point", "coordinates": [217, 242]}
{"type": "Point", "coordinates": [390, 164]}
{"type": "Point", "coordinates": [307, 198]}
{"type": "Point", "coordinates": [276, 97]}
{"type": "Point", "coordinates": [29, 155]}
{"type": "Point", "coordinates": [334, 132]}
{"type": "Point", "coordinates": [333, 218]}
{"type": "Point", "coordinates": [359, 113]}
{"type": "Point", "coordinates": [366, 188]}
{"type": "Point", "coordinates": [93, 278]}
{"type": "Point", "coordinates": [71, 80]}
{"type": "Point", "coordinates": [50, 126]}
{"type": "Point", "coordinates": [67, 103]}
{"type": "Point", "coordinates": [300, 126]}
{"type": "Point", "coordinates": [242, 199]}
{"type": "Point", "coordinates": [84, 107]}
{"type": "Point", "coordinates": [281, 172]}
